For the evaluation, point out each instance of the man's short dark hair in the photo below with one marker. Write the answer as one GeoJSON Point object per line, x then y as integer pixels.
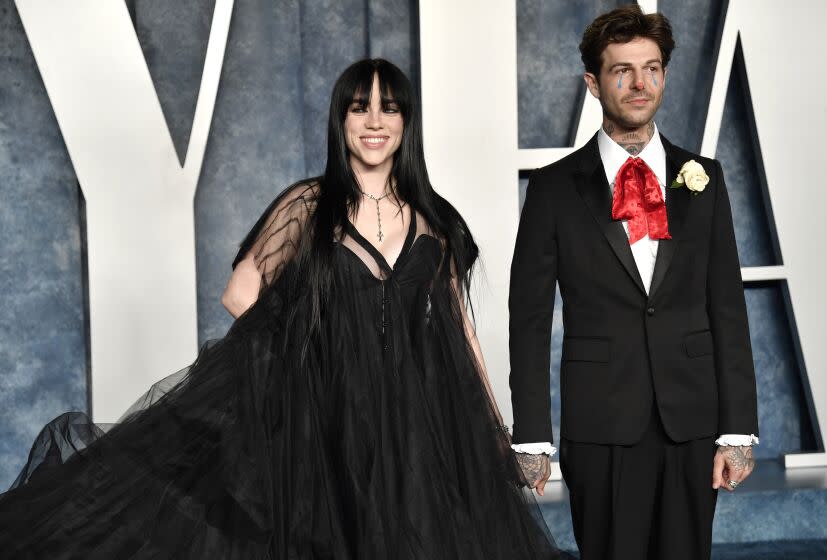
{"type": "Point", "coordinates": [622, 25]}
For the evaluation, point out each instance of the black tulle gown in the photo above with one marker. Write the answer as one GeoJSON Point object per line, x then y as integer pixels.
{"type": "Point", "coordinates": [369, 438]}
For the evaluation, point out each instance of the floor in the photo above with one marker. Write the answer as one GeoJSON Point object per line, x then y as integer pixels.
{"type": "Point", "coordinates": [777, 550]}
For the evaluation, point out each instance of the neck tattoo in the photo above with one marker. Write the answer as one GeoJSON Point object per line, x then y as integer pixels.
{"type": "Point", "coordinates": [376, 199]}
{"type": "Point", "coordinates": [632, 142]}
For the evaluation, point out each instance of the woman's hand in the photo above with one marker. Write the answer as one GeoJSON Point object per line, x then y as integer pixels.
{"type": "Point", "coordinates": [243, 287]}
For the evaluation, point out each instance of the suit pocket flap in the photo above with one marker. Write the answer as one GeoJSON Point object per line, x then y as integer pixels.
{"type": "Point", "coordinates": [585, 349]}
{"type": "Point", "coordinates": [698, 344]}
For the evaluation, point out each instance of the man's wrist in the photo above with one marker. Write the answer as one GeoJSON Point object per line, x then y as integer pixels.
{"type": "Point", "coordinates": [537, 448]}
{"type": "Point", "coordinates": [737, 440]}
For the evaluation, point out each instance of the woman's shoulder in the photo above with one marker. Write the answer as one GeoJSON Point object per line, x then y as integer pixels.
{"type": "Point", "coordinates": [294, 203]}
{"type": "Point", "coordinates": [300, 197]}
{"type": "Point", "coordinates": [284, 218]}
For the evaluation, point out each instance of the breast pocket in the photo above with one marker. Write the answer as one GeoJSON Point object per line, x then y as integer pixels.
{"type": "Point", "coordinates": [585, 349]}
{"type": "Point", "coordinates": [698, 344]}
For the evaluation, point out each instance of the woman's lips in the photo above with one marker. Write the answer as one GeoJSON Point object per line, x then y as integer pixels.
{"type": "Point", "coordinates": [374, 142]}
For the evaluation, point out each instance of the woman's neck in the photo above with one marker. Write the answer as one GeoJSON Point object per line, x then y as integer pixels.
{"type": "Point", "coordinates": [372, 180]}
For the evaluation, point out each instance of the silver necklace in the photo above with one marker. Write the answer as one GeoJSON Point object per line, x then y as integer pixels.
{"type": "Point", "coordinates": [380, 235]}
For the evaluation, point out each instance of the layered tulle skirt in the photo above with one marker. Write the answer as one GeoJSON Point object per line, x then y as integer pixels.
{"type": "Point", "coordinates": [365, 441]}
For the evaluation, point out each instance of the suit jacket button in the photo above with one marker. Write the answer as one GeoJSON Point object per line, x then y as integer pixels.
{"type": "Point", "coordinates": [650, 311]}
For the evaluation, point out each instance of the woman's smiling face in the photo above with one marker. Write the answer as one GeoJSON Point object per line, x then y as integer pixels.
{"type": "Point", "coordinates": [373, 131]}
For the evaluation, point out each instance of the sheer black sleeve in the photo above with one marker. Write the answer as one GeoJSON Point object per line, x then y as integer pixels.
{"type": "Point", "coordinates": [277, 236]}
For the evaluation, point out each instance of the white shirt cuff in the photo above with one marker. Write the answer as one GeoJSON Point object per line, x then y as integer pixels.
{"type": "Point", "coordinates": [534, 448]}
{"type": "Point", "coordinates": [737, 440]}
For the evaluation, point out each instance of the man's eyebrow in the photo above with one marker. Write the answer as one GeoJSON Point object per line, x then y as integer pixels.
{"type": "Point", "coordinates": [630, 65]}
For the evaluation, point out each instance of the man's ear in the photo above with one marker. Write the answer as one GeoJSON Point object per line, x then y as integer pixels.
{"type": "Point", "coordinates": [665, 74]}
{"type": "Point", "coordinates": [591, 83]}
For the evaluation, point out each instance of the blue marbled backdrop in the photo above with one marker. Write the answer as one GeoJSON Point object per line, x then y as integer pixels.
{"type": "Point", "coordinates": [549, 70]}
{"type": "Point", "coordinates": [43, 364]}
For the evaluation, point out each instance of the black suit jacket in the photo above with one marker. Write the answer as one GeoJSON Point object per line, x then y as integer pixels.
{"type": "Point", "coordinates": [686, 345]}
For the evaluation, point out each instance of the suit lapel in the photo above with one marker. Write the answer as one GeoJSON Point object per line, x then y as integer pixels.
{"type": "Point", "coordinates": [596, 192]}
{"type": "Point", "coordinates": [677, 205]}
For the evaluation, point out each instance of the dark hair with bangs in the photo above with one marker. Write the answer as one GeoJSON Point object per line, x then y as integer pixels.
{"type": "Point", "coordinates": [621, 25]}
{"type": "Point", "coordinates": [355, 86]}
{"type": "Point", "coordinates": [339, 193]}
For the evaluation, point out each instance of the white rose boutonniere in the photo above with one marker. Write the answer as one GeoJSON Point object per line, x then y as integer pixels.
{"type": "Point", "coordinates": [692, 175]}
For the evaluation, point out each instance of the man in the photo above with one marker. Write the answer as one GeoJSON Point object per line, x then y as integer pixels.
{"type": "Point", "coordinates": [657, 365]}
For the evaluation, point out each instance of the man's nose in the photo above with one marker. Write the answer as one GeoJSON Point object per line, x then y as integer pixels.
{"type": "Point", "coordinates": [637, 80]}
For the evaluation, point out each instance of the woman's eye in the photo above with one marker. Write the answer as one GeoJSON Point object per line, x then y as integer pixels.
{"type": "Point", "coordinates": [391, 109]}
{"type": "Point", "coordinates": [357, 109]}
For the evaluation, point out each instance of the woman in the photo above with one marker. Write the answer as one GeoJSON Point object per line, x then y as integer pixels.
{"type": "Point", "coordinates": [347, 412]}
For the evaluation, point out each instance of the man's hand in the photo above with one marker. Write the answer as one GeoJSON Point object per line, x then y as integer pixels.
{"type": "Point", "coordinates": [536, 470]}
{"type": "Point", "coordinates": [732, 463]}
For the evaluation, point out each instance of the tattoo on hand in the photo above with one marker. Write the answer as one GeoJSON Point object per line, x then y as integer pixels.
{"type": "Point", "coordinates": [739, 458]}
{"type": "Point", "coordinates": [533, 466]}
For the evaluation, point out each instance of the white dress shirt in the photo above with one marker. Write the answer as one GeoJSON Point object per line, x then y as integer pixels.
{"type": "Point", "coordinates": [644, 250]}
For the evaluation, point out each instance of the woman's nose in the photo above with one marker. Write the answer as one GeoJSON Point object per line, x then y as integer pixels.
{"type": "Point", "coordinates": [374, 119]}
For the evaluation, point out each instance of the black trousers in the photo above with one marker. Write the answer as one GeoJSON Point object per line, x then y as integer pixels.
{"type": "Point", "coordinates": [649, 501]}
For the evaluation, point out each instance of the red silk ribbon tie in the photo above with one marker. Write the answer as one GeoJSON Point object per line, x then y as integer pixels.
{"type": "Point", "coordinates": [638, 199]}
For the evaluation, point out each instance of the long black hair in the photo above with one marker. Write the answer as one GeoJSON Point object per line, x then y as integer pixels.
{"type": "Point", "coordinates": [339, 193]}
{"type": "Point", "coordinates": [330, 200]}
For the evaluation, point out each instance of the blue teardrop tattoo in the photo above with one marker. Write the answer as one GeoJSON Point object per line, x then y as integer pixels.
{"type": "Point", "coordinates": [620, 82]}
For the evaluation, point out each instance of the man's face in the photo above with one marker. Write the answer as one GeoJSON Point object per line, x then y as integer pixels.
{"type": "Point", "coordinates": [631, 81]}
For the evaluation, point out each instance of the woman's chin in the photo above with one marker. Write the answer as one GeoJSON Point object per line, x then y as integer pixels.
{"type": "Point", "coordinates": [374, 162]}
